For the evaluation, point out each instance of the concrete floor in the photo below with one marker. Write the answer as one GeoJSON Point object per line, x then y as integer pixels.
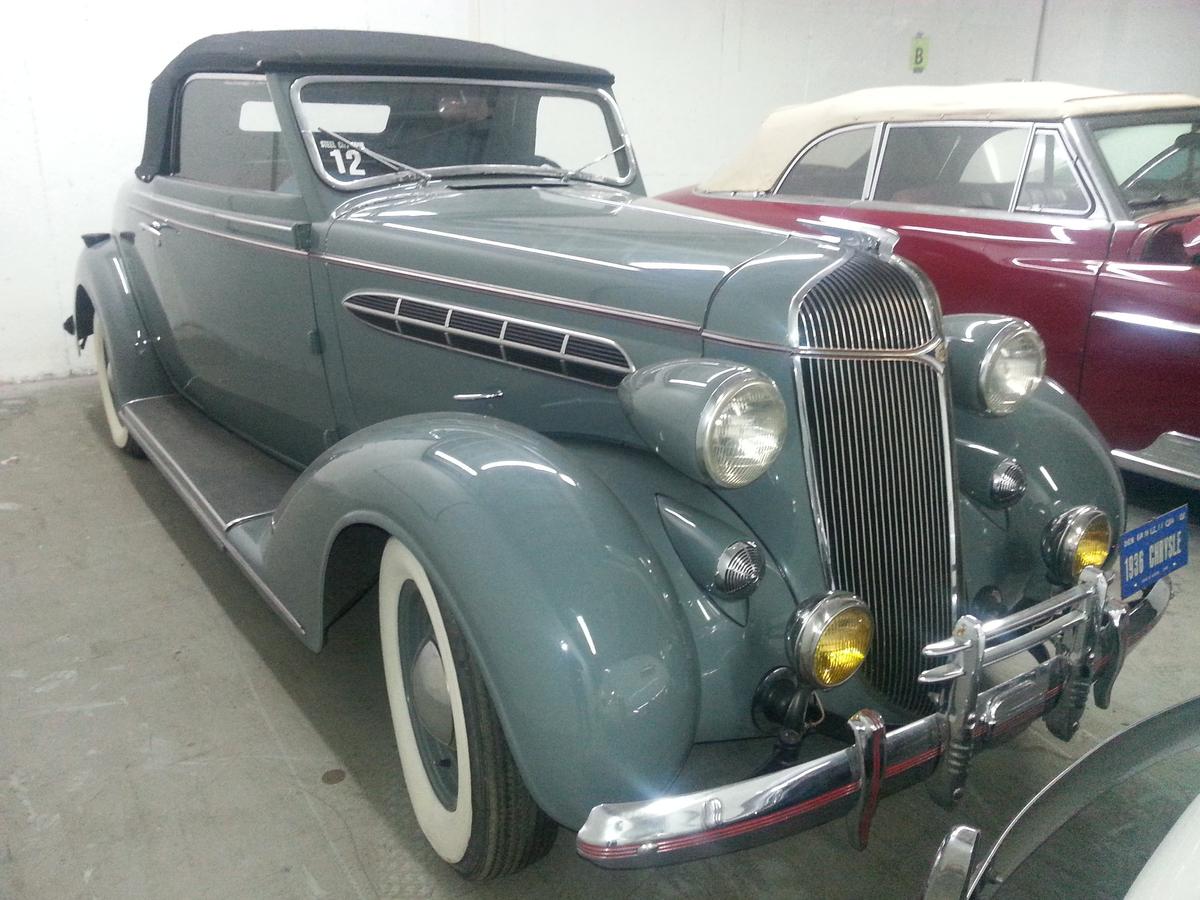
{"type": "Point", "coordinates": [163, 735]}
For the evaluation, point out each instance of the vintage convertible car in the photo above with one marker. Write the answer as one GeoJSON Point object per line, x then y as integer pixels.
{"type": "Point", "coordinates": [1074, 208]}
{"type": "Point", "coordinates": [391, 311]}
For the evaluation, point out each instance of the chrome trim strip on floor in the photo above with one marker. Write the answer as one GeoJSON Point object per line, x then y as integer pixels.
{"type": "Point", "coordinates": [200, 506]}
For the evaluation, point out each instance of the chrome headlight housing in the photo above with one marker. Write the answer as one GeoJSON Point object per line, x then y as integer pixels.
{"type": "Point", "coordinates": [828, 642]}
{"type": "Point", "coordinates": [719, 422]}
{"type": "Point", "coordinates": [741, 430]}
{"type": "Point", "coordinates": [1080, 537]}
{"type": "Point", "coordinates": [1013, 366]}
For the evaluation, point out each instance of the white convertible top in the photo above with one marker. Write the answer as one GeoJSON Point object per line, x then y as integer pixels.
{"type": "Point", "coordinates": [785, 132]}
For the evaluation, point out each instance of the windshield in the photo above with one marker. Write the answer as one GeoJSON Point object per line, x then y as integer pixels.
{"type": "Point", "coordinates": [1154, 159]}
{"type": "Point", "coordinates": [364, 131]}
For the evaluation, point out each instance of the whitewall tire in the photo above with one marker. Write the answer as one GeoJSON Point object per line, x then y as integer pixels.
{"type": "Point", "coordinates": [462, 782]}
{"type": "Point", "coordinates": [104, 373]}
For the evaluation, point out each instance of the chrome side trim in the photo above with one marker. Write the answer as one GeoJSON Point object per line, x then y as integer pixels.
{"type": "Point", "coordinates": [1172, 457]}
{"type": "Point", "coordinates": [496, 290]}
{"type": "Point", "coordinates": [201, 508]}
{"type": "Point", "coordinates": [263, 222]}
{"type": "Point", "coordinates": [241, 239]}
{"type": "Point", "coordinates": [1144, 321]}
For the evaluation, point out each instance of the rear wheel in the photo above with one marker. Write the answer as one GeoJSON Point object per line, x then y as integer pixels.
{"type": "Point", "coordinates": [104, 373]}
{"type": "Point", "coordinates": [463, 784]}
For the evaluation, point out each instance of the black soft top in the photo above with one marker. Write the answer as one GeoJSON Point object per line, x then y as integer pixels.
{"type": "Point", "coordinates": [371, 52]}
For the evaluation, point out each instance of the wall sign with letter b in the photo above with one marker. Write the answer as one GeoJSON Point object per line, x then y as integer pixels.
{"type": "Point", "coordinates": [920, 52]}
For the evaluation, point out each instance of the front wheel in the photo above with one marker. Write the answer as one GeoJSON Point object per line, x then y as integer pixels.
{"type": "Point", "coordinates": [104, 372]}
{"type": "Point", "coordinates": [463, 784]}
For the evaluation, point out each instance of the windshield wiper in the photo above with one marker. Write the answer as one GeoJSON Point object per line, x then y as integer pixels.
{"type": "Point", "coordinates": [577, 173]}
{"type": "Point", "coordinates": [394, 164]}
{"type": "Point", "coordinates": [1156, 200]}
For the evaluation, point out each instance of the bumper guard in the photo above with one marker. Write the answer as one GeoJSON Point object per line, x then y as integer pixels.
{"type": "Point", "coordinates": [1091, 636]}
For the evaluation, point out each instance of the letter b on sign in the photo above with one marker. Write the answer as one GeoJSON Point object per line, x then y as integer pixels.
{"type": "Point", "coordinates": [920, 53]}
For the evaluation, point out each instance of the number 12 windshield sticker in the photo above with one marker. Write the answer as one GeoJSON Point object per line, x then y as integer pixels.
{"type": "Point", "coordinates": [1154, 549]}
{"type": "Point", "coordinates": [347, 159]}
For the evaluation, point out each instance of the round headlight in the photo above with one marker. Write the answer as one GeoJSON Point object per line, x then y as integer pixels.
{"type": "Point", "coordinates": [1012, 367]}
{"type": "Point", "coordinates": [829, 642]}
{"type": "Point", "coordinates": [741, 430]}
{"type": "Point", "coordinates": [1078, 538]}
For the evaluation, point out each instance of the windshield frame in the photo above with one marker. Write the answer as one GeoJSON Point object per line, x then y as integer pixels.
{"type": "Point", "coordinates": [607, 101]}
{"type": "Point", "coordinates": [1097, 123]}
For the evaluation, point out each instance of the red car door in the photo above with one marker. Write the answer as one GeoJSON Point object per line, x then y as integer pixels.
{"type": "Point", "coordinates": [1142, 371]}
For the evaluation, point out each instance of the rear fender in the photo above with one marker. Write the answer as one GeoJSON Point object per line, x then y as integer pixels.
{"type": "Point", "coordinates": [562, 600]}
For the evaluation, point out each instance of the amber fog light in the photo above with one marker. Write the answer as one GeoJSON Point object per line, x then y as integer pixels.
{"type": "Point", "coordinates": [1076, 539]}
{"type": "Point", "coordinates": [828, 642]}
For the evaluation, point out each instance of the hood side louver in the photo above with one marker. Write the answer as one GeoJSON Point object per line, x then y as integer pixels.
{"type": "Point", "coordinates": [518, 342]}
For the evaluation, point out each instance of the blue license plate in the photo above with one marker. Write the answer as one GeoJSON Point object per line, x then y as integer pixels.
{"type": "Point", "coordinates": [1150, 551]}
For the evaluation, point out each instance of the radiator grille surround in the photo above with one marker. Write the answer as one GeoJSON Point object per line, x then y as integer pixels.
{"type": "Point", "coordinates": [874, 411]}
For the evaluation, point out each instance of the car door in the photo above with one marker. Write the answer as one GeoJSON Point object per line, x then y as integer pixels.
{"type": "Point", "coordinates": [997, 214]}
{"type": "Point", "coordinates": [234, 290]}
{"type": "Point", "coordinates": [1142, 371]}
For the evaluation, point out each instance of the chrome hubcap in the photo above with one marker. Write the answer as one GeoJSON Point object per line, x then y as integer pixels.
{"type": "Point", "coordinates": [430, 696]}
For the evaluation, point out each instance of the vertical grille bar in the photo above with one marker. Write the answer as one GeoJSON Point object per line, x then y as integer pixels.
{"type": "Point", "coordinates": [877, 427]}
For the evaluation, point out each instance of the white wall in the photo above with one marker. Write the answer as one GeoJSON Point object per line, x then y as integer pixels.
{"type": "Point", "coordinates": [694, 78]}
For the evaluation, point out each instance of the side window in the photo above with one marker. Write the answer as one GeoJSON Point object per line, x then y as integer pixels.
{"type": "Point", "coordinates": [835, 167]}
{"type": "Point", "coordinates": [973, 166]}
{"type": "Point", "coordinates": [1050, 183]}
{"type": "Point", "coordinates": [229, 135]}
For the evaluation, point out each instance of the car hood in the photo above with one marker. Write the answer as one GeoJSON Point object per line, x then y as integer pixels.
{"type": "Point", "coordinates": [580, 242]}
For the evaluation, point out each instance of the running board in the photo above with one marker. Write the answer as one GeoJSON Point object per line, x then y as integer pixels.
{"type": "Point", "coordinates": [226, 481]}
{"type": "Point", "coordinates": [1173, 457]}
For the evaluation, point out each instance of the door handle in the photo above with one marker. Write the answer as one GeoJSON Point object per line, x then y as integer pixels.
{"type": "Point", "coordinates": [156, 227]}
{"type": "Point", "coordinates": [484, 395]}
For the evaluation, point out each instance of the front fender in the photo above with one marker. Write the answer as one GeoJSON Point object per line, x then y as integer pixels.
{"type": "Point", "coordinates": [562, 600]}
{"type": "Point", "coordinates": [103, 289]}
{"type": "Point", "coordinates": [1067, 463]}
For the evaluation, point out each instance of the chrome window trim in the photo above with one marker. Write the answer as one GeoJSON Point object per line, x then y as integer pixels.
{"type": "Point", "coordinates": [501, 341]}
{"type": "Point", "coordinates": [314, 154]}
{"type": "Point", "coordinates": [889, 127]}
{"type": "Point", "coordinates": [1072, 159]}
{"type": "Point", "coordinates": [481, 287]}
{"type": "Point", "coordinates": [1082, 132]}
{"type": "Point", "coordinates": [1022, 168]}
{"type": "Point", "coordinates": [178, 117]}
{"type": "Point", "coordinates": [872, 156]}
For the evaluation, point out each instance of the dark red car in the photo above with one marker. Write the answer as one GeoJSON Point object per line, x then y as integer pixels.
{"type": "Point", "coordinates": [1075, 208]}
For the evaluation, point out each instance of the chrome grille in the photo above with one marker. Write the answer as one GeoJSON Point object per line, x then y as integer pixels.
{"type": "Point", "coordinates": [877, 439]}
{"type": "Point", "coordinates": [866, 304]}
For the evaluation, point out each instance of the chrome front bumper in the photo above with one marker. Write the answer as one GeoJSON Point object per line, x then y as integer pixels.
{"type": "Point", "coordinates": [1091, 636]}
